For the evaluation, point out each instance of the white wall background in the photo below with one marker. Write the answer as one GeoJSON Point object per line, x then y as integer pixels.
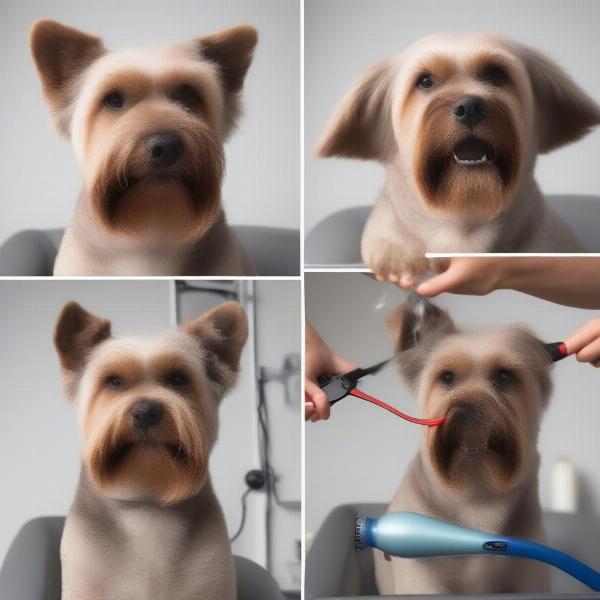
{"type": "Point", "coordinates": [343, 37]}
{"type": "Point", "coordinates": [361, 453]}
{"type": "Point", "coordinates": [39, 173]}
{"type": "Point", "coordinates": [39, 439]}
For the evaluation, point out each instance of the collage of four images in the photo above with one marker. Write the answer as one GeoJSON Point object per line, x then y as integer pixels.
{"type": "Point", "coordinates": [300, 299]}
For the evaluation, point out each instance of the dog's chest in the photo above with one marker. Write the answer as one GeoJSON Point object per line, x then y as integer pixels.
{"type": "Point", "coordinates": [452, 236]}
{"type": "Point", "coordinates": [162, 559]}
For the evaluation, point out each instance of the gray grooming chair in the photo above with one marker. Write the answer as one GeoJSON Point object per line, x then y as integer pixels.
{"type": "Point", "coordinates": [31, 569]}
{"type": "Point", "coordinates": [335, 570]}
{"type": "Point", "coordinates": [335, 241]}
{"type": "Point", "coordinates": [273, 250]}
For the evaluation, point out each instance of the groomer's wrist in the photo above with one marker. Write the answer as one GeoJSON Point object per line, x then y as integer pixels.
{"type": "Point", "coordinates": [513, 273]}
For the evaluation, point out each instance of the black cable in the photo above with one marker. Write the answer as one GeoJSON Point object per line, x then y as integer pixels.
{"type": "Point", "coordinates": [243, 519]}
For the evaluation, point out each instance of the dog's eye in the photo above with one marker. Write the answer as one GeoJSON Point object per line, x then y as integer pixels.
{"type": "Point", "coordinates": [502, 378]}
{"type": "Point", "coordinates": [114, 100]}
{"type": "Point", "coordinates": [114, 382]}
{"type": "Point", "coordinates": [447, 377]}
{"type": "Point", "coordinates": [177, 380]}
{"type": "Point", "coordinates": [495, 75]}
{"type": "Point", "coordinates": [425, 81]}
{"type": "Point", "coordinates": [188, 97]}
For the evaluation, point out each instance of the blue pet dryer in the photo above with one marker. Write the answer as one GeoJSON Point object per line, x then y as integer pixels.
{"type": "Point", "coordinates": [410, 535]}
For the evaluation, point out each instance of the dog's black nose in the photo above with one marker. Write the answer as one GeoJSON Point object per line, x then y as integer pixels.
{"type": "Point", "coordinates": [146, 414]}
{"type": "Point", "coordinates": [164, 149]}
{"type": "Point", "coordinates": [469, 110]}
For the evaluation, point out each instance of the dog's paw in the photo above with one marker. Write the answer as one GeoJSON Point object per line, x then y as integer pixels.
{"type": "Point", "coordinates": [392, 262]}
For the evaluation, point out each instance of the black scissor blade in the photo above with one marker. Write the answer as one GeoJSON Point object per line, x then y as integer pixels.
{"type": "Point", "coordinates": [357, 374]}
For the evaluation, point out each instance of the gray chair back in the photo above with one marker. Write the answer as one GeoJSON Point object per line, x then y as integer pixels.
{"type": "Point", "coordinates": [31, 569]}
{"type": "Point", "coordinates": [275, 251]}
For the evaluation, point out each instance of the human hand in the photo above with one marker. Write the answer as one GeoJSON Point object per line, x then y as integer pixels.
{"type": "Point", "coordinates": [320, 359]}
{"type": "Point", "coordinates": [476, 276]}
{"type": "Point", "coordinates": [585, 343]}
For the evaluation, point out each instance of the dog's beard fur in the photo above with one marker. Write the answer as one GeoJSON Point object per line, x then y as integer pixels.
{"type": "Point", "coordinates": [167, 464]}
{"type": "Point", "coordinates": [478, 446]}
{"type": "Point", "coordinates": [481, 191]}
{"type": "Point", "coordinates": [177, 204]}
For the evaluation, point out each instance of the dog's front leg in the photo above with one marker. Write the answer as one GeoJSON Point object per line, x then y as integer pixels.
{"type": "Point", "coordinates": [391, 251]}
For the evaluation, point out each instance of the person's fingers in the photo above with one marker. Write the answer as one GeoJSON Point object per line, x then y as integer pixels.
{"type": "Point", "coordinates": [444, 282]}
{"type": "Point", "coordinates": [582, 336]}
{"type": "Point", "coordinates": [596, 364]}
{"type": "Point", "coordinates": [589, 353]}
{"type": "Point", "coordinates": [319, 399]}
{"type": "Point", "coordinates": [309, 410]}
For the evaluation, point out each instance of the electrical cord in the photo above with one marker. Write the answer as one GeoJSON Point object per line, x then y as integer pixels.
{"type": "Point", "coordinates": [243, 518]}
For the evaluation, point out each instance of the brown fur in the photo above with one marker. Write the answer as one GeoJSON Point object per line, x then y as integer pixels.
{"type": "Point", "coordinates": [432, 202]}
{"type": "Point", "coordinates": [145, 522]}
{"type": "Point", "coordinates": [479, 468]}
{"type": "Point", "coordinates": [131, 206]}
{"type": "Point", "coordinates": [170, 462]}
{"type": "Point", "coordinates": [61, 54]}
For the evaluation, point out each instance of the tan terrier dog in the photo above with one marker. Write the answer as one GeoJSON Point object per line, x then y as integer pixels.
{"type": "Point", "coordinates": [145, 522]}
{"type": "Point", "coordinates": [458, 123]}
{"type": "Point", "coordinates": [148, 127]}
{"type": "Point", "coordinates": [478, 469]}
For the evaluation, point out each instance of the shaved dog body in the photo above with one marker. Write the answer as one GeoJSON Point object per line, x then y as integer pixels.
{"type": "Point", "coordinates": [148, 128]}
{"type": "Point", "coordinates": [145, 522]}
{"type": "Point", "coordinates": [458, 123]}
{"type": "Point", "coordinates": [479, 469]}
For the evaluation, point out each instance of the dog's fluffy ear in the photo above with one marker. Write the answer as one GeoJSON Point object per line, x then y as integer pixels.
{"type": "Point", "coordinates": [61, 54]}
{"type": "Point", "coordinates": [75, 334]}
{"type": "Point", "coordinates": [221, 332]}
{"type": "Point", "coordinates": [232, 51]}
{"type": "Point", "coordinates": [361, 127]}
{"type": "Point", "coordinates": [564, 112]}
{"type": "Point", "coordinates": [415, 327]}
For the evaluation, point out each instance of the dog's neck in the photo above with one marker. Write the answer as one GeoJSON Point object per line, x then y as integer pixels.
{"type": "Point", "coordinates": [477, 507]}
{"type": "Point", "coordinates": [461, 233]}
{"type": "Point", "coordinates": [115, 254]}
{"type": "Point", "coordinates": [136, 515]}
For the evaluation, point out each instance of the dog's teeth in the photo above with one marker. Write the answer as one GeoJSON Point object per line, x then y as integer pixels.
{"type": "Point", "coordinates": [466, 161]}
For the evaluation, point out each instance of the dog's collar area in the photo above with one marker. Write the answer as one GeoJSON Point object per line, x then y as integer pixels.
{"type": "Point", "coordinates": [473, 151]}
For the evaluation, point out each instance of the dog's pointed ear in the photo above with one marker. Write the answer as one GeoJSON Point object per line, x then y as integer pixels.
{"type": "Point", "coordinates": [61, 54]}
{"type": "Point", "coordinates": [415, 327]}
{"type": "Point", "coordinates": [76, 333]}
{"type": "Point", "coordinates": [564, 112]}
{"type": "Point", "coordinates": [361, 127]}
{"type": "Point", "coordinates": [221, 333]}
{"type": "Point", "coordinates": [232, 51]}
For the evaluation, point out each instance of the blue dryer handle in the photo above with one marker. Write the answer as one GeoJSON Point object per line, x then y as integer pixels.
{"type": "Point", "coordinates": [410, 535]}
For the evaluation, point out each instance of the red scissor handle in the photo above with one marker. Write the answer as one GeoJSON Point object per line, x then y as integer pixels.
{"type": "Point", "coordinates": [429, 422]}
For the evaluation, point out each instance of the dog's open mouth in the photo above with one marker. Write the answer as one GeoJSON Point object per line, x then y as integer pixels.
{"type": "Point", "coordinates": [473, 151]}
{"type": "Point", "coordinates": [174, 449]}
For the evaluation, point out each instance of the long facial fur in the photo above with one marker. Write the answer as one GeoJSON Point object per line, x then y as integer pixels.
{"type": "Point", "coordinates": [492, 452]}
{"type": "Point", "coordinates": [169, 462]}
{"type": "Point", "coordinates": [386, 118]}
{"type": "Point", "coordinates": [126, 196]}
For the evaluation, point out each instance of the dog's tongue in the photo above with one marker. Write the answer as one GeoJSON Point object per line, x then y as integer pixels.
{"type": "Point", "coordinates": [472, 149]}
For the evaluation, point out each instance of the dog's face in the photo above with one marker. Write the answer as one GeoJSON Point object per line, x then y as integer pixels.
{"type": "Point", "coordinates": [492, 386]}
{"type": "Point", "coordinates": [147, 125]}
{"type": "Point", "coordinates": [464, 118]}
{"type": "Point", "coordinates": [148, 407]}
